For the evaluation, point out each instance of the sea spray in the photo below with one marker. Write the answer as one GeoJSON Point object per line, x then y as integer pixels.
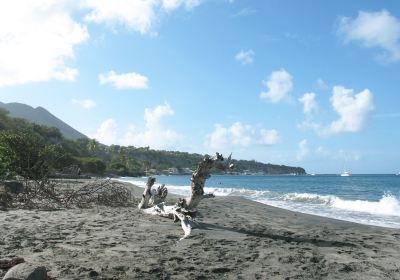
{"type": "Point", "coordinates": [387, 205]}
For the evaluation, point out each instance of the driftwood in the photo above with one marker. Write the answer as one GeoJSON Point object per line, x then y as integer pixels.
{"type": "Point", "coordinates": [7, 263]}
{"type": "Point", "coordinates": [152, 197]}
{"type": "Point", "coordinates": [185, 209]}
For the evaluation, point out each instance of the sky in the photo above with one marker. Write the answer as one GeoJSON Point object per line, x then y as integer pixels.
{"type": "Point", "coordinates": [301, 83]}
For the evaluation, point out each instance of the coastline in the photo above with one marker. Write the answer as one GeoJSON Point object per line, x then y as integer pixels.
{"type": "Point", "coordinates": [235, 239]}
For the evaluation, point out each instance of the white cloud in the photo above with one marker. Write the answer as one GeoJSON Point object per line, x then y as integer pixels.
{"type": "Point", "coordinates": [124, 81]}
{"type": "Point", "coordinates": [303, 150]}
{"type": "Point", "coordinates": [154, 138]}
{"type": "Point", "coordinates": [310, 105]}
{"type": "Point", "coordinates": [170, 5]}
{"type": "Point", "coordinates": [245, 57]}
{"type": "Point", "coordinates": [373, 29]}
{"type": "Point", "coordinates": [36, 40]}
{"type": "Point", "coordinates": [352, 109]}
{"type": "Point", "coordinates": [154, 116]}
{"type": "Point", "coordinates": [219, 138]}
{"type": "Point", "coordinates": [107, 132]}
{"type": "Point", "coordinates": [269, 137]}
{"type": "Point", "coordinates": [239, 135]}
{"type": "Point", "coordinates": [84, 103]}
{"type": "Point", "coordinates": [67, 74]}
{"type": "Point", "coordinates": [154, 135]}
{"type": "Point", "coordinates": [136, 15]}
{"type": "Point", "coordinates": [279, 85]}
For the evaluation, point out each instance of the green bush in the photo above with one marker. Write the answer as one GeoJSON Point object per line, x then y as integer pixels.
{"type": "Point", "coordinates": [92, 165]}
{"type": "Point", "coordinates": [26, 154]}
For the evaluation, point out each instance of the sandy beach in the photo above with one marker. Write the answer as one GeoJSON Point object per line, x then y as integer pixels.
{"type": "Point", "coordinates": [235, 239]}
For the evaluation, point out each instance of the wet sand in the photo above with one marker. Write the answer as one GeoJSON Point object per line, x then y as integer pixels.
{"type": "Point", "coordinates": [235, 239]}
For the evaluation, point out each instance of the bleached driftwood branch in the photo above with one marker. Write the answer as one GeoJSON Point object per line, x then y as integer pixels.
{"type": "Point", "coordinates": [185, 209]}
{"type": "Point", "coordinates": [152, 197]}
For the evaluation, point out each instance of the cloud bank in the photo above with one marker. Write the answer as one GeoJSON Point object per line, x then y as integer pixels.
{"type": "Point", "coordinates": [155, 135]}
{"type": "Point", "coordinates": [37, 39]}
{"type": "Point", "coordinates": [240, 135]}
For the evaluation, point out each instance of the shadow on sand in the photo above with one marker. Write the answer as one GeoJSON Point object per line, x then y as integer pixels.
{"type": "Point", "coordinates": [274, 236]}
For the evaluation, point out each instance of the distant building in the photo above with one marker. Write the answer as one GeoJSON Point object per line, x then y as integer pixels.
{"type": "Point", "coordinates": [186, 170]}
{"type": "Point", "coordinates": [173, 171]}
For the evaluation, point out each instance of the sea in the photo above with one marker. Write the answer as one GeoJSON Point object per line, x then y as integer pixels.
{"type": "Point", "coordinates": [365, 199]}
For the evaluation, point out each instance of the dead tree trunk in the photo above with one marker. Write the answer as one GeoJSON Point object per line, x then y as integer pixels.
{"type": "Point", "coordinates": [147, 193]}
{"type": "Point", "coordinates": [185, 209]}
{"type": "Point", "coordinates": [200, 176]}
{"type": "Point", "coordinates": [152, 197]}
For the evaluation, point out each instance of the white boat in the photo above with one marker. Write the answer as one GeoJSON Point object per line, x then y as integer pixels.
{"type": "Point", "coordinates": [345, 174]}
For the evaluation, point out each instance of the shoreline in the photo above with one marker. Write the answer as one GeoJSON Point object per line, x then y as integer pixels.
{"type": "Point", "coordinates": [327, 210]}
{"type": "Point", "coordinates": [235, 238]}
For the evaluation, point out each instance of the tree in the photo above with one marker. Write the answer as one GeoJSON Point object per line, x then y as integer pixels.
{"type": "Point", "coordinates": [92, 165]}
{"type": "Point", "coordinates": [26, 154]}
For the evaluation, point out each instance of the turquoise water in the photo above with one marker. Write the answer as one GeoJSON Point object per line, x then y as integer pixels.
{"type": "Point", "coordinates": [367, 199]}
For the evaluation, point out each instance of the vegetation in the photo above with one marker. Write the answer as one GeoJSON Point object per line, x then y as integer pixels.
{"type": "Point", "coordinates": [34, 151]}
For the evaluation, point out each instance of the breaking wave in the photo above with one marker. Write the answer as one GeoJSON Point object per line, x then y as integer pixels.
{"type": "Point", "coordinates": [384, 212]}
{"type": "Point", "coordinates": [387, 205]}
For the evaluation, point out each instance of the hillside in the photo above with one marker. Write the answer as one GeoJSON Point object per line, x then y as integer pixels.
{"type": "Point", "coordinates": [92, 157]}
{"type": "Point", "coordinates": [41, 116]}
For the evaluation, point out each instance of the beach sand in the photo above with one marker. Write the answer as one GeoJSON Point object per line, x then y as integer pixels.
{"type": "Point", "coordinates": [235, 239]}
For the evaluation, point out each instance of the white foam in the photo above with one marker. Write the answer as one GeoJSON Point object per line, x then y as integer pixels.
{"type": "Point", "coordinates": [387, 205]}
{"type": "Point", "coordinates": [309, 198]}
{"type": "Point", "coordinates": [236, 192]}
{"type": "Point", "coordinates": [385, 212]}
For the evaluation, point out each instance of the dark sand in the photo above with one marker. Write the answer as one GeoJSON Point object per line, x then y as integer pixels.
{"type": "Point", "coordinates": [235, 239]}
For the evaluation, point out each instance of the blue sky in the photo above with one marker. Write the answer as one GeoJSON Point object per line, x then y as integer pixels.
{"type": "Point", "coordinates": [303, 83]}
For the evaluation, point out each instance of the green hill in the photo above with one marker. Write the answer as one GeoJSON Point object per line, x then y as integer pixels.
{"type": "Point", "coordinates": [59, 155]}
{"type": "Point", "coordinates": [41, 116]}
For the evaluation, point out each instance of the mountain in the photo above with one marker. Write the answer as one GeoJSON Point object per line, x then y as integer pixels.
{"type": "Point", "coordinates": [41, 116]}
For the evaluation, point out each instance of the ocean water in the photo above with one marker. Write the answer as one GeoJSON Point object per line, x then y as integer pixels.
{"type": "Point", "coordinates": [366, 199]}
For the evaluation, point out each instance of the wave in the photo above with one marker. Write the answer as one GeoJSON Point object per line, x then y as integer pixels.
{"type": "Point", "coordinates": [237, 192]}
{"type": "Point", "coordinates": [388, 205]}
{"type": "Point", "coordinates": [216, 191]}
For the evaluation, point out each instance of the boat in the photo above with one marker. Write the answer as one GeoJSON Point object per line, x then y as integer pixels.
{"type": "Point", "coordinates": [345, 174]}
